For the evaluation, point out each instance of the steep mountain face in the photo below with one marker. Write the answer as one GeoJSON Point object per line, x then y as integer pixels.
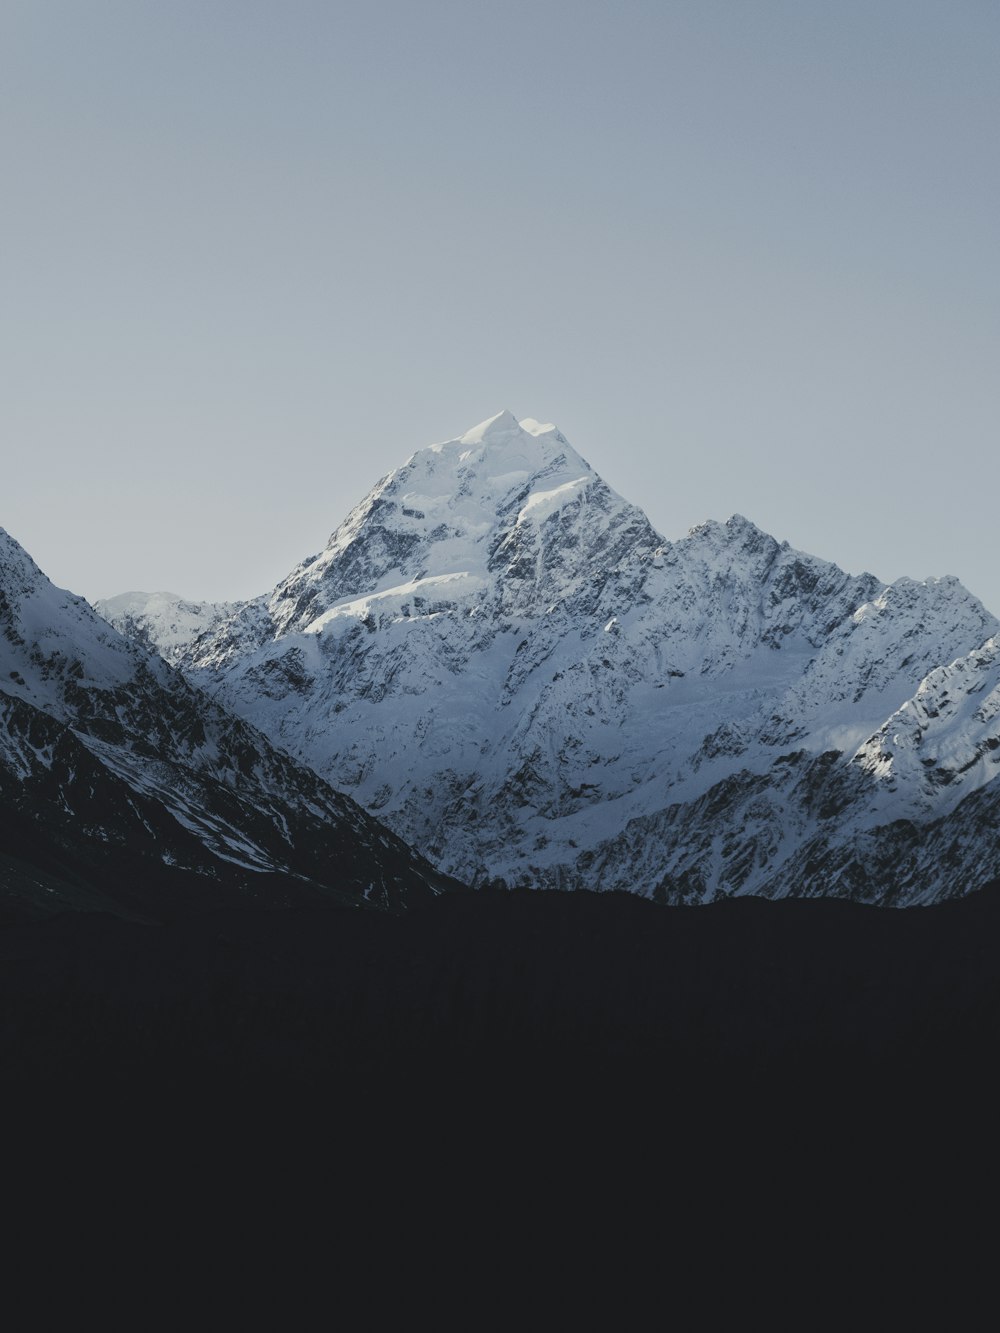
{"type": "Point", "coordinates": [125, 788]}
{"type": "Point", "coordinates": [501, 657]}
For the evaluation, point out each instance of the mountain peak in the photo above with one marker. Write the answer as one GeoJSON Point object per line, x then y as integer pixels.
{"type": "Point", "coordinates": [11, 549]}
{"type": "Point", "coordinates": [502, 657]}
{"type": "Point", "coordinates": [735, 528]}
{"type": "Point", "coordinates": [740, 523]}
{"type": "Point", "coordinates": [490, 460]}
{"type": "Point", "coordinates": [505, 426]}
{"type": "Point", "coordinates": [494, 430]}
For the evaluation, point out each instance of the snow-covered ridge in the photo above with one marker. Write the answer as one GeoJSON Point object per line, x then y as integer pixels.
{"type": "Point", "coordinates": [943, 743]}
{"type": "Point", "coordinates": [50, 635]}
{"type": "Point", "coordinates": [502, 657]}
{"type": "Point", "coordinates": [162, 620]}
{"type": "Point", "coordinates": [107, 751]}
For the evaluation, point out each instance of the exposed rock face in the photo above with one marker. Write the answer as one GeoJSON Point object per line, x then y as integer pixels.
{"type": "Point", "coordinates": [126, 788]}
{"type": "Point", "coordinates": [503, 659]}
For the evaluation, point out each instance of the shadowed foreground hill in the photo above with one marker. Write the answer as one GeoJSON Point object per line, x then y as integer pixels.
{"type": "Point", "coordinates": [504, 994]}
{"type": "Point", "coordinates": [124, 790]}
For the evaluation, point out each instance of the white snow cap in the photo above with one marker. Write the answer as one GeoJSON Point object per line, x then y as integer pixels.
{"type": "Point", "coordinates": [505, 426]}
{"type": "Point", "coordinates": [492, 431]}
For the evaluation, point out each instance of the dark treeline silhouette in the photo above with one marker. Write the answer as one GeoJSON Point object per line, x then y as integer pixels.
{"type": "Point", "coordinates": [495, 991]}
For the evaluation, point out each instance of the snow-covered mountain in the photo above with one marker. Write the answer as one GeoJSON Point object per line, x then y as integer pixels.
{"type": "Point", "coordinates": [502, 658]}
{"type": "Point", "coordinates": [123, 787]}
{"type": "Point", "coordinates": [162, 620]}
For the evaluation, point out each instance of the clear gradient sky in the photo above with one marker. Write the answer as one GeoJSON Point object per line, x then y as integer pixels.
{"type": "Point", "coordinates": [253, 254]}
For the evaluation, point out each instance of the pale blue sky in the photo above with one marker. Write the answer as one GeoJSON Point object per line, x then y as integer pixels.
{"type": "Point", "coordinates": [253, 254]}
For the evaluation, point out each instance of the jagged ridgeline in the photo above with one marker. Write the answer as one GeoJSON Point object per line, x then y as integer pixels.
{"type": "Point", "coordinates": [500, 658]}
{"type": "Point", "coordinates": [125, 789]}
